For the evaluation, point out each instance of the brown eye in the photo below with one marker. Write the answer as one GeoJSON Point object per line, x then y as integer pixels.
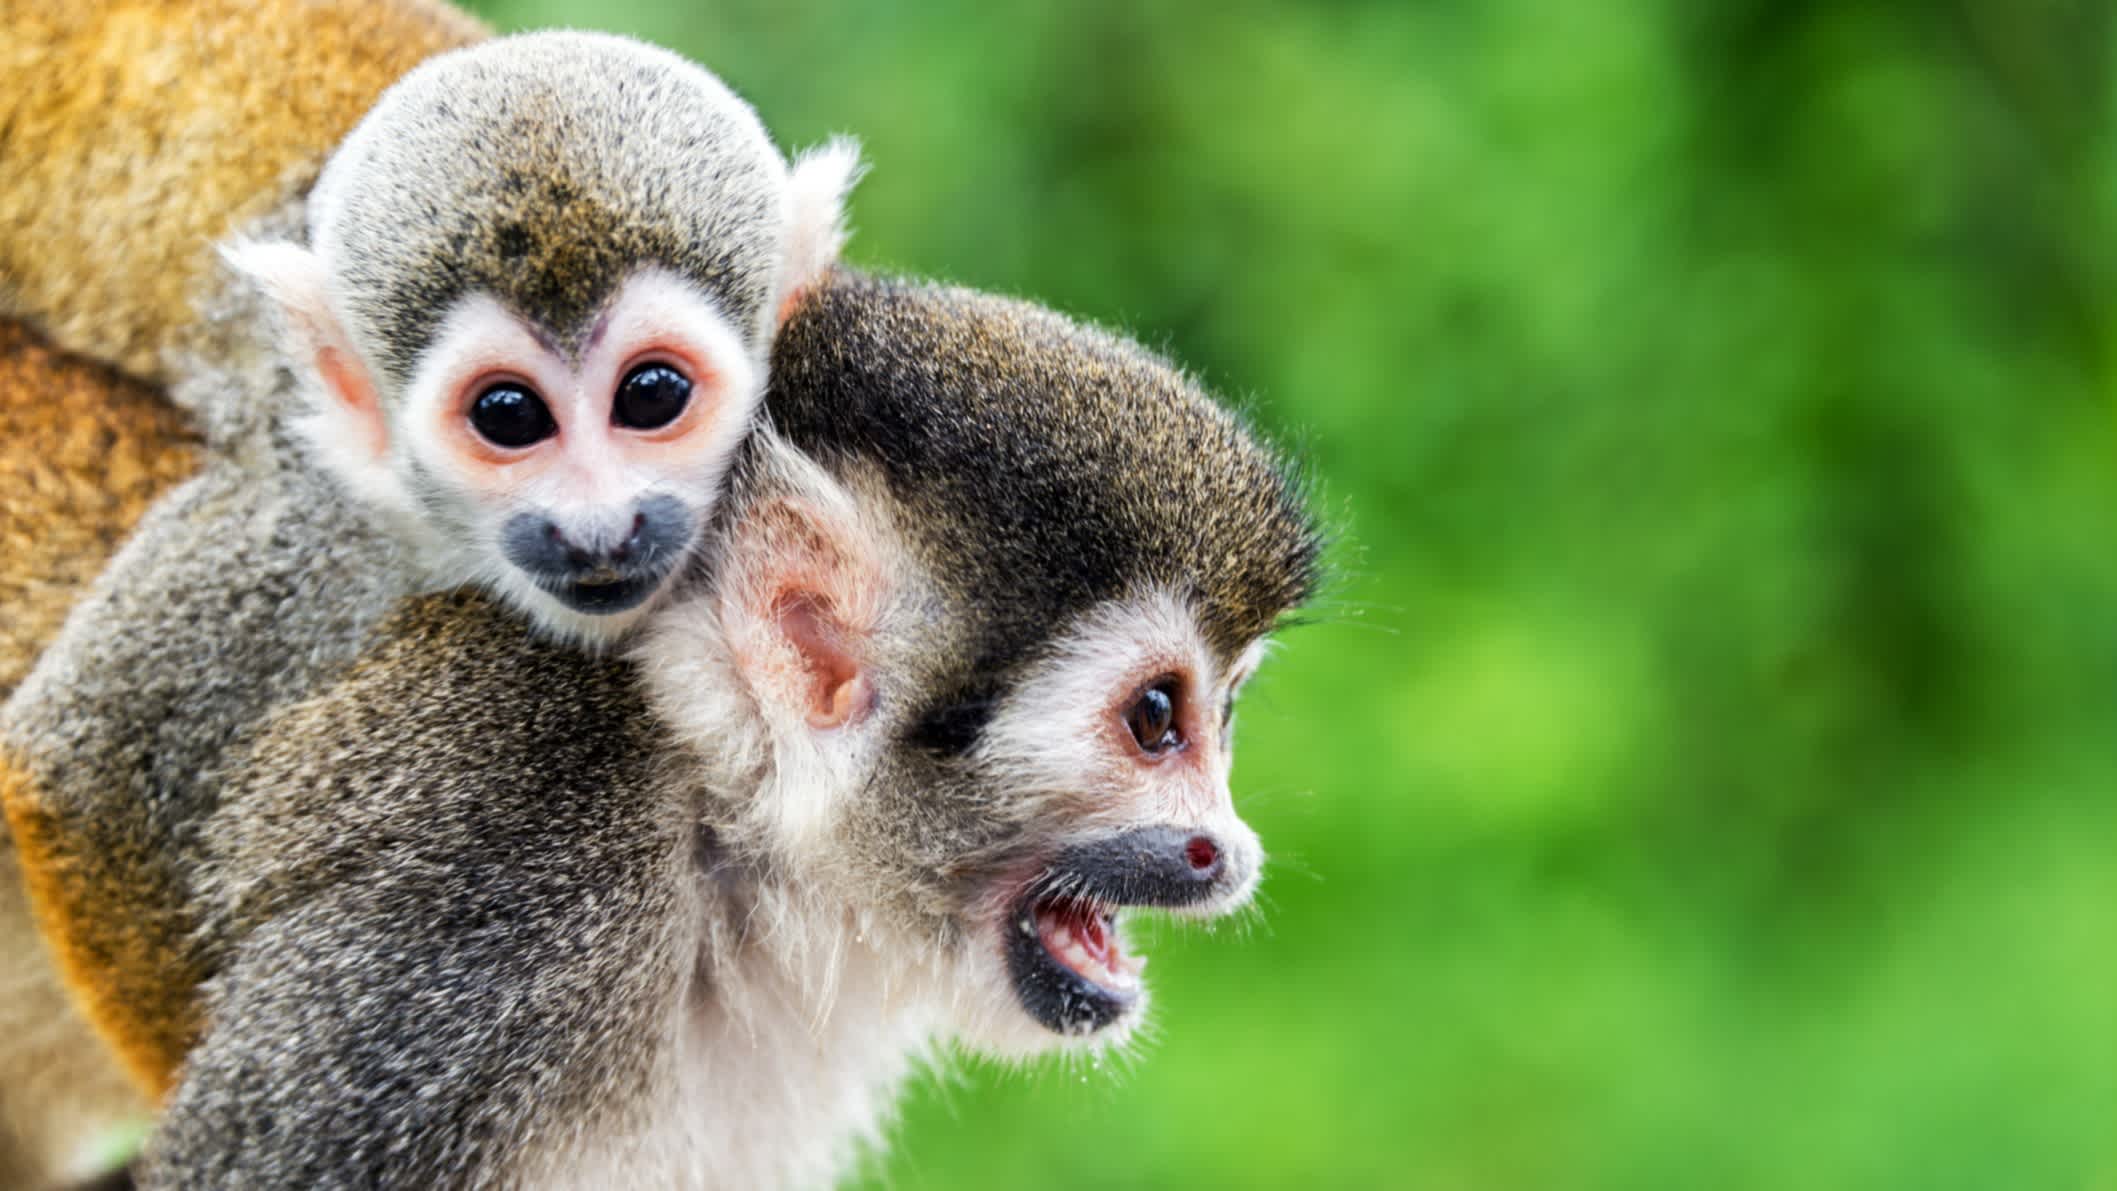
{"type": "Point", "coordinates": [650, 397]}
{"type": "Point", "coordinates": [1152, 718]}
{"type": "Point", "coordinates": [508, 415]}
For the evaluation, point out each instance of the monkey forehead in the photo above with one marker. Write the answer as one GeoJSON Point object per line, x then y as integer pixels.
{"type": "Point", "coordinates": [1045, 467]}
{"type": "Point", "coordinates": [543, 168]}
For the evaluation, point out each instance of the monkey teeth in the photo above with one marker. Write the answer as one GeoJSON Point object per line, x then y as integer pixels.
{"type": "Point", "coordinates": [1084, 939]}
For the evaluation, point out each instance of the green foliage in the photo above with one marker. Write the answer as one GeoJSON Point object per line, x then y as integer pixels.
{"type": "Point", "coordinates": [1703, 773]}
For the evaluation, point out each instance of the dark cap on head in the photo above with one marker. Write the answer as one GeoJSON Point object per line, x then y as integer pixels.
{"type": "Point", "coordinates": [1047, 466]}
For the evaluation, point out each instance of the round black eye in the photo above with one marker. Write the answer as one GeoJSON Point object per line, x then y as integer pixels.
{"type": "Point", "coordinates": [1152, 718]}
{"type": "Point", "coordinates": [650, 396]}
{"type": "Point", "coordinates": [508, 415]}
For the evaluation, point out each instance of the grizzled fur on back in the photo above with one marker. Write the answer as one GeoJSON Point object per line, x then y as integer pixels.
{"type": "Point", "coordinates": [1050, 466]}
{"type": "Point", "coordinates": [607, 154]}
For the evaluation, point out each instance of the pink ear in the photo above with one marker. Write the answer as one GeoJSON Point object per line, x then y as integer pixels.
{"type": "Point", "coordinates": [347, 379]}
{"type": "Point", "coordinates": [817, 186]}
{"type": "Point", "coordinates": [803, 593]}
{"type": "Point", "coordinates": [298, 283]}
{"type": "Point", "coordinates": [838, 691]}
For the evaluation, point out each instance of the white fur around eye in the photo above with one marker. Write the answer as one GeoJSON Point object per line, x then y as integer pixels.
{"type": "Point", "coordinates": [1055, 726]}
{"type": "Point", "coordinates": [479, 336]}
{"type": "Point", "coordinates": [656, 308]}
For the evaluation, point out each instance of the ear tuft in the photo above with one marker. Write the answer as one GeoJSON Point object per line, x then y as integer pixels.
{"type": "Point", "coordinates": [817, 187]}
{"type": "Point", "coordinates": [347, 428]}
{"type": "Point", "coordinates": [292, 276]}
{"type": "Point", "coordinates": [803, 587]}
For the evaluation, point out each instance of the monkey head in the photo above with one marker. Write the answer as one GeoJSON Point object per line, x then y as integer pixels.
{"type": "Point", "coordinates": [542, 279]}
{"type": "Point", "coordinates": [987, 588]}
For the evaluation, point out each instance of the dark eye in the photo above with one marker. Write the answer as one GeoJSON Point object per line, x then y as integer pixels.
{"type": "Point", "coordinates": [508, 415]}
{"type": "Point", "coordinates": [952, 729]}
{"type": "Point", "coordinates": [650, 396]}
{"type": "Point", "coordinates": [1152, 718]}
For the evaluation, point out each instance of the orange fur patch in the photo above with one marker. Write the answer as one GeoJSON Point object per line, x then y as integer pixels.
{"type": "Point", "coordinates": [83, 452]}
{"type": "Point", "coordinates": [139, 132]}
{"type": "Point", "coordinates": [126, 971]}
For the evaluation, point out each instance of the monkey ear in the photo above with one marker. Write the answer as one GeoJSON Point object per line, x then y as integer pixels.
{"type": "Point", "coordinates": [802, 591]}
{"type": "Point", "coordinates": [349, 427]}
{"type": "Point", "coordinates": [817, 187]}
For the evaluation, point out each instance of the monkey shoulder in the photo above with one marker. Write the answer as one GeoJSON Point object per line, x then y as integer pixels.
{"type": "Point", "coordinates": [468, 817]}
{"type": "Point", "coordinates": [459, 747]}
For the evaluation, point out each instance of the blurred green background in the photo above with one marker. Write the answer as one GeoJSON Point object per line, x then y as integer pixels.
{"type": "Point", "coordinates": [1702, 774]}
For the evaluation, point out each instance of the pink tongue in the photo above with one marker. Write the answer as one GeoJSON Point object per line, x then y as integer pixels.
{"type": "Point", "coordinates": [1088, 932]}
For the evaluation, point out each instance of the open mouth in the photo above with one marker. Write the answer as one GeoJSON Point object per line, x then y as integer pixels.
{"type": "Point", "coordinates": [1064, 953]}
{"type": "Point", "coordinates": [1069, 964]}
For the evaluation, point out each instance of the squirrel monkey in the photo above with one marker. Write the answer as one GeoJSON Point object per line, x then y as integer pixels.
{"type": "Point", "coordinates": [541, 279]}
{"type": "Point", "coordinates": [953, 701]}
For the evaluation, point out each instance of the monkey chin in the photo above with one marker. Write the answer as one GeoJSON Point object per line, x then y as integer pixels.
{"type": "Point", "coordinates": [590, 615]}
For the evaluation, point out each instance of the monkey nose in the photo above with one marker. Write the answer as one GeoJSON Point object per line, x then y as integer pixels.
{"type": "Point", "coordinates": [1152, 866]}
{"type": "Point", "coordinates": [594, 557]}
{"type": "Point", "coordinates": [1203, 855]}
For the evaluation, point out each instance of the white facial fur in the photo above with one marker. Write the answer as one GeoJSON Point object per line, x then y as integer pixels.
{"type": "Point", "coordinates": [1057, 752]}
{"type": "Point", "coordinates": [1060, 740]}
{"type": "Point", "coordinates": [591, 475]}
{"type": "Point", "coordinates": [1059, 732]}
{"type": "Point", "coordinates": [400, 453]}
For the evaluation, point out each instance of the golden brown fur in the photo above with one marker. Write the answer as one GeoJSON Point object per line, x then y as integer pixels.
{"type": "Point", "coordinates": [83, 452]}
{"type": "Point", "coordinates": [135, 133]}
{"type": "Point", "coordinates": [117, 173]}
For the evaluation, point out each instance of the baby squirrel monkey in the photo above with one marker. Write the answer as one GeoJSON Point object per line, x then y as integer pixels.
{"type": "Point", "coordinates": [542, 279]}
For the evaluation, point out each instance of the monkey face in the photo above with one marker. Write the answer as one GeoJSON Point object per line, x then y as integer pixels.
{"type": "Point", "coordinates": [996, 841]}
{"type": "Point", "coordinates": [1112, 755]}
{"type": "Point", "coordinates": [536, 350]}
{"type": "Point", "coordinates": [576, 483]}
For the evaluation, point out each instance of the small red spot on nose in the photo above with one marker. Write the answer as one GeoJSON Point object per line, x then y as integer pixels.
{"type": "Point", "coordinates": [1200, 852]}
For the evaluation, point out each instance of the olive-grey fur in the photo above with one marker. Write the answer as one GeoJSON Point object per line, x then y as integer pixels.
{"type": "Point", "coordinates": [472, 915]}
{"type": "Point", "coordinates": [544, 169]}
{"type": "Point", "coordinates": [245, 587]}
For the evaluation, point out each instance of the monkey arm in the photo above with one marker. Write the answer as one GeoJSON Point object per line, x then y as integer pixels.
{"type": "Point", "coordinates": [440, 965]}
